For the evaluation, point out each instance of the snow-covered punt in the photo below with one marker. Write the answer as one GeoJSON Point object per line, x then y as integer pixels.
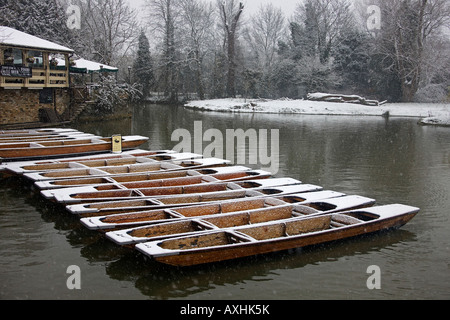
{"type": "Point", "coordinates": [150, 203]}
{"type": "Point", "coordinates": [96, 160]}
{"type": "Point", "coordinates": [59, 148]}
{"type": "Point", "coordinates": [126, 158]}
{"type": "Point", "coordinates": [97, 191]}
{"type": "Point", "coordinates": [185, 187]}
{"type": "Point", "coordinates": [273, 212]}
{"type": "Point", "coordinates": [134, 219]}
{"type": "Point", "coordinates": [143, 165]}
{"type": "Point", "coordinates": [275, 236]}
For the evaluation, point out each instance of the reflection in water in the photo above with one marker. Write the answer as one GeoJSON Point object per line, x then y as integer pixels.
{"type": "Point", "coordinates": [393, 161]}
{"type": "Point", "coordinates": [164, 282]}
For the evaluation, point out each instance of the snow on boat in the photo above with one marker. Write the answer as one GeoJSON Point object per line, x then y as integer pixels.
{"type": "Point", "coordinates": [149, 203]}
{"type": "Point", "coordinates": [35, 132]}
{"type": "Point", "coordinates": [98, 160]}
{"type": "Point", "coordinates": [145, 165]}
{"type": "Point", "coordinates": [275, 236]}
{"type": "Point", "coordinates": [133, 219]}
{"type": "Point", "coordinates": [281, 211]}
{"type": "Point", "coordinates": [59, 148]}
{"type": "Point", "coordinates": [79, 194]}
{"type": "Point", "coordinates": [238, 171]}
{"type": "Point", "coordinates": [42, 138]}
{"type": "Point", "coordinates": [191, 185]}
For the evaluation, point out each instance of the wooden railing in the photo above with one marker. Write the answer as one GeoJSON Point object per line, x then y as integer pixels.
{"type": "Point", "coordinates": [42, 78]}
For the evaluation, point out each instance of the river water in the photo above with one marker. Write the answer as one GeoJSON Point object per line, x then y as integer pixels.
{"type": "Point", "coordinates": [392, 160]}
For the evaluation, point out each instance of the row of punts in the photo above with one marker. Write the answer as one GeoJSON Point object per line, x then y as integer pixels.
{"type": "Point", "coordinates": [183, 209]}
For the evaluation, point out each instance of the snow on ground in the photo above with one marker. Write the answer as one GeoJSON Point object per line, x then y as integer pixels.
{"type": "Point", "coordinates": [430, 113]}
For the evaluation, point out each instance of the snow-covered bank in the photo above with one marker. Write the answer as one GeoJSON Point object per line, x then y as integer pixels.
{"type": "Point", "coordinates": [431, 113]}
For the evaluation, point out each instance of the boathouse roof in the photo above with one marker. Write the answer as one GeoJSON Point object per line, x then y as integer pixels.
{"type": "Point", "coordinates": [85, 66]}
{"type": "Point", "coordinates": [14, 38]}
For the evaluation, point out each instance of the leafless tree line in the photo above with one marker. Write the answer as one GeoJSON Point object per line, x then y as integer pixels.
{"type": "Point", "coordinates": [215, 48]}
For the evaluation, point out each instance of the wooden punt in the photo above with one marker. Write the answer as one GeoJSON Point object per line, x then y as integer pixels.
{"type": "Point", "coordinates": [58, 148]}
{"type": "Point", "coordinates": [42, 138]}
{"type": "Point", "coordinates": [150, 203]}
{"type": "Point", "coordinates": [134, 219]}
{"type": "Point", "coordinates": [282, 211]}
{"type": "Point", "coordinates": [148, 165]}
{"type": "Point", "coordinates": [275, 236]}
{"type": "Point", "coordinates": [34, 132]}
{"type": "Point", "coordinates": [124, 160]}
{"type": "Point", "coordinates": [97, 160]}
{"type": "Point", "coordinates": [231, 174]}
{"type": "Point", "coordinates": [147, 176]}
{"type": "Point", "coordinates": [191, 185]}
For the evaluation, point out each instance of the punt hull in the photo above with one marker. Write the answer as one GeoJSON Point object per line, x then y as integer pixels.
{"type": "Point", "coordinates": [246, 249]}
{"type": "Point", "coordinates": [271, 212]}
{"type": "Point", "coordinates": [145, 204]}
{"type": "Point", "coordinates": [136, 219]}
{"type": "Point", "coordinates": [22, 152]}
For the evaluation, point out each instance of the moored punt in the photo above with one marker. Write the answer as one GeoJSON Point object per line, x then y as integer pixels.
{"type": "Point", "coordinates": [146, 165]}
{"type": "Point", "coordinates": [229, 221]}
{"type": "Point", "coordinates": [133, 219]}
{"type": "Point", "coordinates": [145, 204]}
{"type": "Point", "coordinates": [38, 139]}
{"type": "Point", "coordinates": [97, 160]}
{"type": "Point", "coordinates": [275, 236]}
{"type": "Point", "coordinates": [34, 132]}
{"type": "Point", "coordinates": [93, 161]}
{"type": "Point", "coordinates": [59, 169]}
{"type": "Point", "coordinates": [192, 185]}
{"type": "Point", "coordinates": [58, 148]}
{"type": "Point", "coordinates": [238, 171]}
{"type": "Point", "coordinates": [189, 177]}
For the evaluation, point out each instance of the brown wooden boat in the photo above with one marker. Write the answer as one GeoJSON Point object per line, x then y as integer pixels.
{"type": "Point", "coordinates": [190, 186]}
{"type": "Point", "coordinates": [230, 221]}
{"type": "Point", "coordinates": [150, 203]}
{"type": "Point", "coordinates": [91, 161]}
{"type": "Point", "coordinates": [43, 138]}
{"type": "Point", "coordinates": [58, 148]}
{"type": "Point", "coordinates": [148, 176]}
{"type": "Point", "coordinates": [145, 165]}
{"type": "Point", "coordinates": [133, 219]}
{"type": "Point", "coordinates": [230, 174]}
{"type": "Point", "coordinates": [275, 236]}
{"type": "Point", "coordinates": [35, 132]}
{"type": "Point", "coordinates": [175, 186]}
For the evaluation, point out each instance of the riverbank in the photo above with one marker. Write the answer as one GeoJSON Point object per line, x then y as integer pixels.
{"type": "Point", "coordinates": [429, 113]}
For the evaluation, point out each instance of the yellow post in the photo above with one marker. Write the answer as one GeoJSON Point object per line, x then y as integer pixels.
{"type": "Point", "coordinates": [116, 143]}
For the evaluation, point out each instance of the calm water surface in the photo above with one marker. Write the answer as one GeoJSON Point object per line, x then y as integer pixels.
{"type": "Point", "coordinates": [393, 161]}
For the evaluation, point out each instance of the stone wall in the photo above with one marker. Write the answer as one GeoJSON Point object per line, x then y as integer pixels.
{"type": "Point", "coordinates": [22, 105]}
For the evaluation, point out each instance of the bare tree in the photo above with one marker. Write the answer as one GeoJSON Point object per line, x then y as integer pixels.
{"type": "Point", "coordinates": [163, 16]}
{"type": "Point", "coordinates": [266, 29]}
{"type": "Point", "coordinates": [407, 27]}
{"type": "Point", "coordinates": [110, 27]}
{"type": "Point", "coordinates": [230, 14]}
{"type": "Point", "coordinates": [197, 17]}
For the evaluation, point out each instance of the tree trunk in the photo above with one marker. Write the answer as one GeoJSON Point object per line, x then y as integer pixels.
{"type": "Point", "coordinates": [231, 25]}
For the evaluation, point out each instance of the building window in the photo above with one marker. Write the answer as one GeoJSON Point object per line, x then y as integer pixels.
{"type": "Point", "coordinates": [13, 57]}
{"type": "Point", "coordinates": [35, 59]}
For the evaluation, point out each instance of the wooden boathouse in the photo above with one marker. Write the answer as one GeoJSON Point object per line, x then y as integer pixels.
{"type": "Point", "coordinates": [32, 83]}
{"type": "Point", "coordinates": [35, 80]}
